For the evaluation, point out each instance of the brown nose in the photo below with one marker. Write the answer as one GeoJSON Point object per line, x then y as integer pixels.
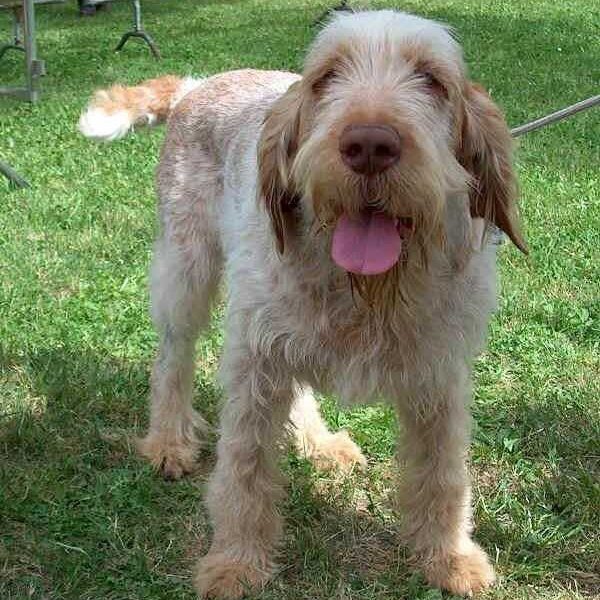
{"type": "Point", "coordinates": [370, 149]}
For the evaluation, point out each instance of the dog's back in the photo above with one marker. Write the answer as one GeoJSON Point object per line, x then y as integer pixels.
{"type": "Point", "coordinates": [211, 123]}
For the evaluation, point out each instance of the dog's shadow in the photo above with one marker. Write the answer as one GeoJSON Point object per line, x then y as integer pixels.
{"type": "Point", "coordinates": [77, 497]}
{"type": "Point", "coordinates": [79, 509]}
{"type": "Point", "coordinates": [70, 466]}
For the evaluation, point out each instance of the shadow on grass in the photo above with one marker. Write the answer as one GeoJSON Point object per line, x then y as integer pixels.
{"type": "Point", "coordinates": [81, 515]}
{"type": "Point", "coordinates": [537, 498]}
{"type": "Point", "coordinates": [78, 393]}
{"type": "Point", "coordinates": [69, 469]}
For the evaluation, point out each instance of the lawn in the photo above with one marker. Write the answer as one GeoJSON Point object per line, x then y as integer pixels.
{"type": "Point", "coordinates": [82, 518]}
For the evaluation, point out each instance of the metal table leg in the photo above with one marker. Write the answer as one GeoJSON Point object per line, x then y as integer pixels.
{"type": "Point", "coordinates": [138, 31]}
{"type": "Point", "coordinates": [15, 179]}
{"type": "Point", "coordinates": [17, 41]}
{"type": "Point", "coordinates": [34, 68]}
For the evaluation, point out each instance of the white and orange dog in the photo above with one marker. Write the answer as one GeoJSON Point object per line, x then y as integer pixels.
{"type": "Point", "coordinates": [348, 210]}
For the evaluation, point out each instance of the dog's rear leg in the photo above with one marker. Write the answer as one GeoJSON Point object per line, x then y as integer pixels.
{"type": "Point", "coordinates": [183, 286]}
{"type": "Point", "coordinates": [314, 440]}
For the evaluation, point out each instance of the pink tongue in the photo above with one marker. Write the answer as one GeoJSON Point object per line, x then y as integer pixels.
{"type": "Point", "coordinates": [367, 244]}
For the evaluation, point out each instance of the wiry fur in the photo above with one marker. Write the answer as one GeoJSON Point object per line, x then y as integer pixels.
{"type": "Point", "coordinates": [250, 183]}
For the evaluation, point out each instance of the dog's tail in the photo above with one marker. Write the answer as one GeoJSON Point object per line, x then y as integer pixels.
{"type": "Point", "coordinates": [112, 113]}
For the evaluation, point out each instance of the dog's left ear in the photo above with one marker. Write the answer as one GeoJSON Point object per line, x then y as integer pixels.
{"type": "Point", "coordinates": [485, 150]}
{"type": "Point", "coordinates": [277, 146]}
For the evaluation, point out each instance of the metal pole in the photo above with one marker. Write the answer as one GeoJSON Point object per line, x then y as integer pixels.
{"type": "Point", "coordinates": [12, 175]}
{"type": "Point", "coordinates": [30, 50]}
{"type": "Point", "coordinates": [17, 30]}
{"type": "Point", "coordinates": [137, 15]}
{"type": "Point", "coordinates": [559, 115]}
{"type": "Point", "coordinates": [138, 31]}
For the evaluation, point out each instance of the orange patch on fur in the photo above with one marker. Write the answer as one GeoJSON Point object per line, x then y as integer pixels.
{"type": "Point", "coordinates": [153, 96]}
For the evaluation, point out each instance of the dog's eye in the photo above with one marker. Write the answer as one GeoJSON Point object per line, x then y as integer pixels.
{"type": "Point", "coordinates": [320, 84]}
{"type": "Point", "coordinates": [433, 84]}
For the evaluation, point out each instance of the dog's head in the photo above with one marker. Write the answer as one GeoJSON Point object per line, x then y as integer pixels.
{"type": "Point", "coordinates": [383, 129]}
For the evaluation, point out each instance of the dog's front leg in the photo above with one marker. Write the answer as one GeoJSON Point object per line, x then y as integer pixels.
{"type": "Point", "coordinates": [245, 486]}
{"type": "Point", "coordinates": [436, 496]}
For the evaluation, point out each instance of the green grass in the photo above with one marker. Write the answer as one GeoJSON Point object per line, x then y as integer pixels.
{"type": "Point", "coordinates": [81, 517]}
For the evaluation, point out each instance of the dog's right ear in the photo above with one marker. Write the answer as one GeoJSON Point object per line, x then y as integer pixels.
{"type": "Point", "coordinates": [277, 146]}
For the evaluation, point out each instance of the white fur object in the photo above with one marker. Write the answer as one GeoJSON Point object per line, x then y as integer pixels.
{"type": "Point", "coordinates": [251, 162]}
{"type": "Point", "coordinates": [99, 125]}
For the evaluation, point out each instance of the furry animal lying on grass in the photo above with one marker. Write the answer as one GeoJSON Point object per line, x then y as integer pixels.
{"type": "Point", "coordinates": [347, 211]}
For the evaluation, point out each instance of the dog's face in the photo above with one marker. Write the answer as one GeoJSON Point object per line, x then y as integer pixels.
{"type": "Point", "coordinates": [382, 131]}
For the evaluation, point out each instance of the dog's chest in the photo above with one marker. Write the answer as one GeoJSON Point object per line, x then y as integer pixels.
{"type": "Point", "coordinates": [328, 337]}
{"type": "Point", "coordinates": [331, 340]}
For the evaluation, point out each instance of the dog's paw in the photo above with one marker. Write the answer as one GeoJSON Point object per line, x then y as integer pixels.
{"type": "Point", "coordinates": [338, 451]}
{"type": "Point", "coordinates": [222, 578]}
{"type": "Point", "coordinates": [461, 574]}
{"type": "Point", "coordinates": [171, 458]}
